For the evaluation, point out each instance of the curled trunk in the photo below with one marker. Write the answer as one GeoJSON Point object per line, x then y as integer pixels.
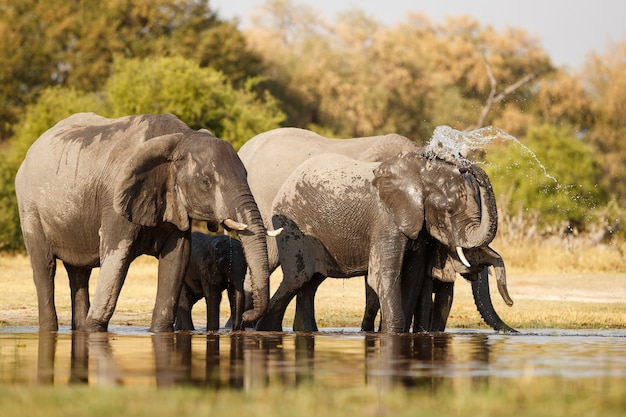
{"type": "Point", "coordinates": [485, 231]}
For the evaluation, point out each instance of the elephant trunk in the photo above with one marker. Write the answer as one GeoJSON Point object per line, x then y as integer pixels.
{"type": "Point", "coordinates": [485, 229]}
{"type": "Point", "coordinates": [255, 250]}
{"type": "Point", "coordinates": [498, 265]}
{"type": "Point", "coordinates": [482, 299]}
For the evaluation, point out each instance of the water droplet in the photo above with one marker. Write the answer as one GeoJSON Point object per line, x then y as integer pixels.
{"type": "Point", "coordinates": [447, 142]}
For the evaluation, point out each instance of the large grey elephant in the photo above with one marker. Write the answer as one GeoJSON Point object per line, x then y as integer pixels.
{"type": "Point", "coordinates": [343, 217]}
{"type": "Point", "coordinates": [98, 192]}
{"type": "Point", "coordinates": [272, 156]}
{"type": "Point", "coordinates": [217, 263]}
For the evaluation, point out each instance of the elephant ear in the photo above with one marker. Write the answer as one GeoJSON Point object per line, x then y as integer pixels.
{"type": "Point", "coordinates": [144, 191]}
{"type": "Point", "coordinates": [400, 190]}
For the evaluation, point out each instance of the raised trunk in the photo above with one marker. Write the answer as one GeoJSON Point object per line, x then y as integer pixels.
{"type": "Point", "coordinates": [485, 231]}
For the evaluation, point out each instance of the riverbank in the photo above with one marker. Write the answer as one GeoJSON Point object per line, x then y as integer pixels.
{"type": "Point", "coordinates": [590, 294]}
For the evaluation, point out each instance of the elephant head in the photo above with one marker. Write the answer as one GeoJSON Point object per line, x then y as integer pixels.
{"type": "Point", "coordinates": [453, 201]}
{"type": "Point", "coordinates": [175, 177]}
{"type": "Point", "coordinates": [444, 267]}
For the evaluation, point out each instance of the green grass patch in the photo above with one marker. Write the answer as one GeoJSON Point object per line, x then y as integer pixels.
{"type": "Point", "coordinates": [495, 397]}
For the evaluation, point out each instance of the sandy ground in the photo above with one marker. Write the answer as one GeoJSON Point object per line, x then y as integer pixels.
{"type": "Point", "coordinates": [336, 298]}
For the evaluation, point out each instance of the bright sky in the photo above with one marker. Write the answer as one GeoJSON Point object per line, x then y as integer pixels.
{"type": "Point", "coordinates": [568, 29]}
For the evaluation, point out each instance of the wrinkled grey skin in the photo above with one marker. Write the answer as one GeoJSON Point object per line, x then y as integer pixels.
{"type": "Point", "coordinates": [97, 192]}
{"type": "Point", "coordinates": [217, 263]}
{"type": "Point", "coordinates": [430, 313]}
{"type": "Point", "coordinates": [343, 218]}
{"type": "Point", "coordinates": [272, 156]}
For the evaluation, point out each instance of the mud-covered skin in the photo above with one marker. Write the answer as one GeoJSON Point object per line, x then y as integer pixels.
{"type": "Point", "coordinates": [343, 218]}
{"type": "Point", "coordinates": [96, 192]}
{"type": "Point", "coordinates": [272, 156]}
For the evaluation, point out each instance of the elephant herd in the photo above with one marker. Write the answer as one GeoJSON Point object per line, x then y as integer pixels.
{"type": "Point", "coordinates": [98, 192]}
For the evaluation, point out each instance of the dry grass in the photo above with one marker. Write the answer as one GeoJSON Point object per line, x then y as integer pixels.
{"type": "Point", "coordinates": [554, 285]}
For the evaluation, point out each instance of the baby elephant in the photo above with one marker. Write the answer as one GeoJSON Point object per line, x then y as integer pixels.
{"type": "Point", "coordinates": [217, 263]}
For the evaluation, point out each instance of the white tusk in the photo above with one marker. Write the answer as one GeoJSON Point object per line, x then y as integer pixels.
{"type": "Point", "coordinates": [233, 225]}
{"type": "Point", "coordinates": [274, 233]}
{"type": "Point", "coordinates": [459, 252]}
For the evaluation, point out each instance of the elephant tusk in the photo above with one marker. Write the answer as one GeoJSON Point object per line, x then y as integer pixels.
{"type": "Point", "coordinates": [490, 252]}
{"type": "Point", "coordinates": [274, 233]}
{"type": "Point", "coordinates": [459, 252]}
{"type": "Point", "coordinates": [233, 225]}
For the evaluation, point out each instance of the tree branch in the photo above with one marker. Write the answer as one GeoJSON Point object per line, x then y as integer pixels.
{"type": "Point", "coordinates": [493, 97]}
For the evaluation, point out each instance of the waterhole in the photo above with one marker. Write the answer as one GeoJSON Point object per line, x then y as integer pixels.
{"type": "Point", "coordinates": [345, 358]}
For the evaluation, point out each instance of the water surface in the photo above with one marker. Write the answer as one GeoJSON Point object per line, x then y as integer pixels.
{"type": "Point", "coordinates": [131, 356]}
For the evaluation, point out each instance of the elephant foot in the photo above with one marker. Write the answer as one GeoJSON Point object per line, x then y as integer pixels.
{"type": "Point", "coordinates": [94, 326]}
{"type": "Point", "coordinates": [266, 325]}
{"type": "Point", "coordinates": [161, 328]}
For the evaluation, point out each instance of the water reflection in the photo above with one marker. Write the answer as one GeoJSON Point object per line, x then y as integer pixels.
{"type": "Point", "coordinates": [249, 360]}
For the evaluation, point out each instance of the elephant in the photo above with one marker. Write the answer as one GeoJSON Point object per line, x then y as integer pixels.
{"type": "Point", "coordinates": [98, 192]}
{"type": "Point", "coordinates": [272, 156]}
{"type": "Point", "coordinates": [217, 263]}
{"type": "Point", "coordinates": [430, 313]}
{"type": "Point", "coordinates": [343, 217]}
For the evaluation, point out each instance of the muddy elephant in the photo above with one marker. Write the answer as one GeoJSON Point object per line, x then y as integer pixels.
{"type": "Point", "coordinates": [435, 289]}
{"type": "Point", "coordinates": [217, 263]}
{"type": "Point", "coordinates": [272, 156]}
{"type": "Point", "coordinates": [343, 217]}
{"type": "Point", "coordinates": [98, 192]}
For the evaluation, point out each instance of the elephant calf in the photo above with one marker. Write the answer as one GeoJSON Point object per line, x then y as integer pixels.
{"type": "Point", "coordinates": [217, 263]}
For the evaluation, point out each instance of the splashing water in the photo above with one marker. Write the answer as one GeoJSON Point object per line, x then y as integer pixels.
{"type": "Point", "coordinates": [447, 142]}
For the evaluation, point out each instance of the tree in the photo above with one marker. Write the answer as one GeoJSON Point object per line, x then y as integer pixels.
{"type": "Point", "coordinates": [605, 78]}
{"type": "Point", "coordinates": [201, 97]}
{"type": "Point", "coordinates": [354, 76]}
{"type": "Point", "coordinates": [75, 43]}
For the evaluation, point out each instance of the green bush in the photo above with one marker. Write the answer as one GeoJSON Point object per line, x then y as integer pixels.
{"type": "Point", "coordinates": [201, 97]}
{"type": "Point", "coordinates": [552, 173]}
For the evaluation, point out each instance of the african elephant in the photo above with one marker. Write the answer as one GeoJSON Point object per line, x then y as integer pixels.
{"type": "Point", "coordinates": [98, 192]}
{"type": "Point", "coordinates": [343, 217]}
{"type": "Point", "coordinates": [217, 263]}
{"type": "Point", "coordinates": [272, 156]}
{"type": "Point", "coordinates": [431, 313]}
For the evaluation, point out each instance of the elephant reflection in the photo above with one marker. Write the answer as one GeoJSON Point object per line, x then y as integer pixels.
{"type": "Point", "coordinates": [249, 360]}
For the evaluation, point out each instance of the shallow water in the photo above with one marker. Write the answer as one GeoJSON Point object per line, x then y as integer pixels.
{"type": "Point", "coordinates": [333, 357]}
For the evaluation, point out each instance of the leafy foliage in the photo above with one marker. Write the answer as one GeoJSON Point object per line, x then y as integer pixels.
{"type": "Point", "coordinates": [552, 173]}
{"type": "Point", "coordinates": [201, 97]}
{"type": "Point", "coordinates": [344, 77]}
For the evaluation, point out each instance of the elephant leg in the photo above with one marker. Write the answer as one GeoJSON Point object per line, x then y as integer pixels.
{"type": "Point", "coordinates": [173, 263]}
{"type": "Point", "coordinates": [304, 319]}
{"type": "Point", "coordinates": [213, 298]}
{"type": "Point", "coordinates": [372, 306]}
{"type": "Point", "coordinates": [44, 269]}
{"type": "Point", "coordinates": [186, 302]}
{"type": "Point", "coordinates": [236, 299]}
{"type": "Point", "coordinates": [384, 274]}
{"type": "Point", "coordinates": [113, 271]}
{"type": "Point", "coordinates": [444, 295]}
{"type": "Point", "coordinates": [273, 319]}
{"type": "Point", "coordinates": [424, 307]}
{"type": "Point", "coordinates": [79, 288]}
